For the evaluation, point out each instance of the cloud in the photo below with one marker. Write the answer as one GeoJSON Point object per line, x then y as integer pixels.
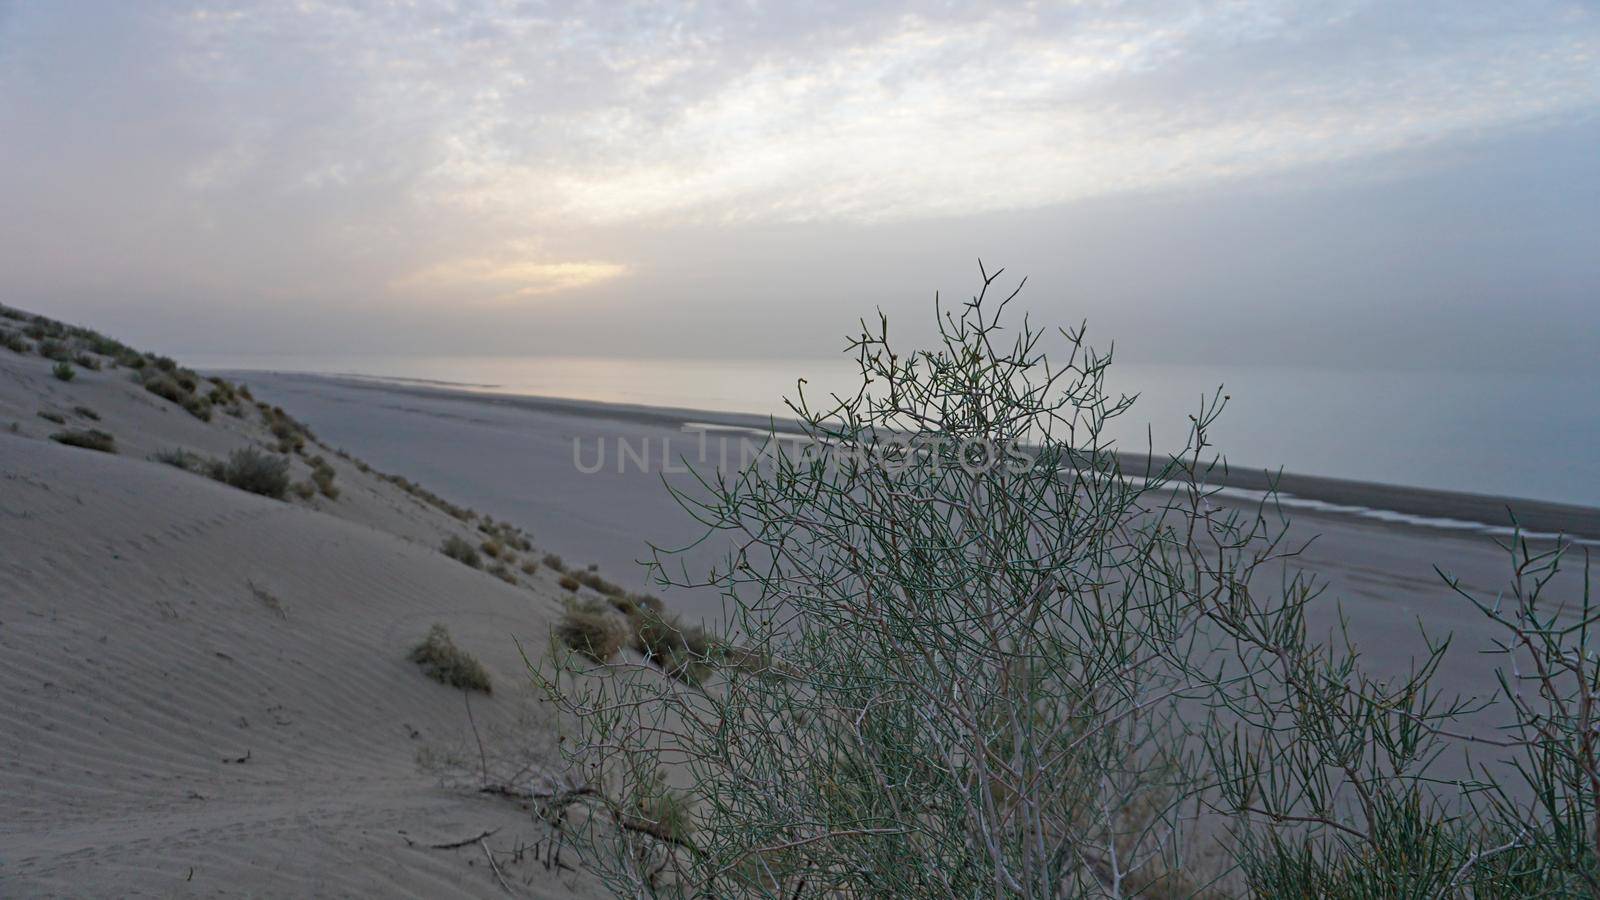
{"type": "Point", "coordinates": [503, 279]}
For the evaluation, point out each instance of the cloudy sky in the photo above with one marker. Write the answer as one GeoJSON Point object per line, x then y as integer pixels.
{"type": "Point", "coordinates": [1267, 181]}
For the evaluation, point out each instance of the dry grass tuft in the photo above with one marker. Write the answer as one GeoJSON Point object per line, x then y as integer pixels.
{"type": "Point", "coordinates": [589, 630]}
{"type": "Point", "coordinates": [446, 663]}
{"type": "Point", "coordinates": [569, 583]}
{"type": "Point", "coordinates": [460, 550]}
{"type": "Point", "coordinates": [681, 651]}
{"type": "Point", "coordinates": [249, 469]}
{"type": "Point", "coordinates": [89, 439]}
{"type": "Point", "coordinates": [322, 475]}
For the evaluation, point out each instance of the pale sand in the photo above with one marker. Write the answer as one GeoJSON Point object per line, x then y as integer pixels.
{"type": "Point", "coordinates": [136, 662]}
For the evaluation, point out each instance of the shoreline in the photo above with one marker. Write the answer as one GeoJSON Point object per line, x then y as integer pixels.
{"type": "Point", "coordinates": [1428, 509]}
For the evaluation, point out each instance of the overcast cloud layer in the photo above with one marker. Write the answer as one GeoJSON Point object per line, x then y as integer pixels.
{"type": "Point", "coordinates": [1349, 183]}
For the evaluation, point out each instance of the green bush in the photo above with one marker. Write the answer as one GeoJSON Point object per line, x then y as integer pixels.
{"type": "Point", "coordinates": [446, 663]}
{"type": "Point", "coordinates": [461, 550]}
{"type": "Point", "coordinates": [183, 459]}
{"type": "Point", "coordinates": [322, 475]}
{"type": "Point", "coordinates": [591, 631]}
{"type": "Point", "coordinates": [89, 439]}
{"type": "Point", "coordinates": [679, 650]}
{"type": "Point", "coordinates": [165, 387]}
{"type": "Point", "coordinates": [63, 371]}
{"type": "Point", "coordinates": [981, 658]}
{"type": "Point", "coordinates": [249, 469]}
{"type": "Point", "coordinates": [14, 342]}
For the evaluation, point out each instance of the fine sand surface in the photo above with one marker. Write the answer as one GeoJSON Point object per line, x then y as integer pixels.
{"type": "Point", "coordinates": [207, 692]}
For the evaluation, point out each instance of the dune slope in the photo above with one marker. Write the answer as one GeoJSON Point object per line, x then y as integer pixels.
{"type": "Point", "coordinates": [208, 692]}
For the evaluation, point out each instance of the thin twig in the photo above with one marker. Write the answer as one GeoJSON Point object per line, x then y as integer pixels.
{"type": "Point", "coordinates": [492, 867]}
{"type": "Point", "coordinates": [465, 841]}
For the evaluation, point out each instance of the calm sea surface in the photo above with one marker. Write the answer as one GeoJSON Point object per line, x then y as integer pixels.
{"type": "Point", "coordinates": [1532, 436]}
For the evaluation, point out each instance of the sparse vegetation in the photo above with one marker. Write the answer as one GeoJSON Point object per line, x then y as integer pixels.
{"type": "Point", "coordinates": [461, 550]}
{"type": "Point", "coordinates": [89, 439]}
{"type": "Point", "coordinates": [63, 371]}
{"type": "Point", "coordinates": [305, 490]}
{"type": "Point", "coordinates": [85, 361]}
{"type": "Point", "coordinates": [322, 475]}
{"type": "Point", "coordinates": [49, 416]}
{"type": "Point", "coordinates": [569, 583]}
{"type": "Point", "coordinates": [252, 470]}
{"type": "Point", "coordinates": [552, 561]}
{"type": "Point", "coordinates": [446, 663]}
{"type": "Point", "coordinates": [679, 650]}
{"type": "Point", "coordinates": [529, 567]}
{"type": "Point", "coordinates": [592, 580]}
{"type": "Point", "coordinates": [503, 572]}
{"type": "Point", "coordinates": [590, 630]}
{"type": "Point", "coordinates": [1041, 676]}
{"type": "Point", "coordinates": [656, 809]}
{"type": "Point", "coordinates": [14, 342]}
{"type": "Point", "coordinates": [179, 457]}
{"type": "Point", "coordinates": [87, 413]}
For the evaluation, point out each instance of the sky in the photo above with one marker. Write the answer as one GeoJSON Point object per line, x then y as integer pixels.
{"type": "Point", "coordinates": [1341, 184]}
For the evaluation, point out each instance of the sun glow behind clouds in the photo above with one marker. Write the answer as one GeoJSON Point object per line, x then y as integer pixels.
{"type": "Point", "coordinates": [500, 280]}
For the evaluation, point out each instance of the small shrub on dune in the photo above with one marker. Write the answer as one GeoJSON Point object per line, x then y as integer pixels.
{"type": "Point", "coordinates": [249, 469]}
{"type": "Point", "coordinates": [13, 314]}
{"type": "Point", "coordinates": [552, 561]}
{"type": "Point", "coordinates": [530, 567]}
{"type": "Point", "coordinates": [182, 459]}
{"type": "Point", "coordinates": [163, 386]}
{"type": "Point", "coordinates": [85, 361]}
{"type": "Point", "coordinates": [570, 583]}
{"type": "Point", "coordinates": [305, 490]}
{"type": "Point", "coordinates": [50, 348]}
{"type": "Point", "coordinates": [87, 413]}
{"type": "Point", "coordinates": [48, 416]}
{"type": "Point", "coordinates": [89, 439]}
{"type": "Point", "coordinates": [592, 580]}
{"type": "Point", "coordinates": [491, 549]}
{"type": "Point", "coordinates": [322, 475]}
{"type": "Point", "coordinates": [63, 371]}
{"type": "Point", "coordinates": [14, 342]}
{"type": "Point", "coordinates": [199, 407]}
{"type": "Point", "coordinates": [504, 573]}
{"type": "Point", "coordinates": [461, 550]}
{"type": "Point", "coordinates": [446, 663]}
{"type": "Point", "coordinates": [589, 630]}
{"type": "Point", "coordinates": [679, 650]}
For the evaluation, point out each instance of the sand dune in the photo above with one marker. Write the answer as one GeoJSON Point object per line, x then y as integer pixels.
{"type": "Point", "coordinates": [208, 691]}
